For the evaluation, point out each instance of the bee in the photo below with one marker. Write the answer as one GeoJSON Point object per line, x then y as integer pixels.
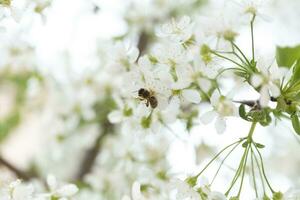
{"type": "Point", "coordinates": [148, 96]}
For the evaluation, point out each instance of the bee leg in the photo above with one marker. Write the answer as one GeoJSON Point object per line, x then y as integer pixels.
{"type": "Point", "coordinates": [147, 103]}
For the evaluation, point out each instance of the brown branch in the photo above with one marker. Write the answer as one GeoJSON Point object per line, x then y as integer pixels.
{"type": "Point", "coordinates": [19, 173]}
{"type": "Point", "coordinates": [91, 155]}
{"type": "Point", "coordinates": [143, 42]}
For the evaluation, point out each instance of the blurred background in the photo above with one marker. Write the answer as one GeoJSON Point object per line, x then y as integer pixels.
{"type": "Point", "coordinates": [51, 78]}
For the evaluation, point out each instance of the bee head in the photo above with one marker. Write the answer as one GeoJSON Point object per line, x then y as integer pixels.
{"type": "Point", "coordinates": [143, 93]}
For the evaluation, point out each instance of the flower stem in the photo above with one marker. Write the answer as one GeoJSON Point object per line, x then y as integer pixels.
{"type": "Point", "coordinates": [243, 162]}
{"type": "Point", "coordinates": [226, 58]}
{"type": "Point", "coordinates": [263, 169]}
{"type": "Point", "coordinates": [244, 169]}
{"type": "Point", "coordinates": [253, 174]}
{"type": "Point", "coordinates": [237, 173]}
{"type": "Point", "coordinates": [221, 164]}
{"type": "Point", "coordinates": [241, 52]}
{"type": "Point", "coordinates": [249, 137]}
{"type": "Point", "coordinates": [252, 36]}
{"type": "Point", "coordinates": [259, 170]}
{"type": "Point", "coordinates": [216, 156]}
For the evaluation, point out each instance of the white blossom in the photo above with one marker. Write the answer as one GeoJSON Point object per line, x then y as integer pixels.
{"type": "Point", "coordinates": [269, 80]}
{"type": "Point", "coordinates": [178, 31]}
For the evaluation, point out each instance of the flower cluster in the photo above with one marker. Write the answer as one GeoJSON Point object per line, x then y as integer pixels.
{"type": "Point", "coordinates": [18, 190]}
{"type": "Point", "coordinates": [105, 125]}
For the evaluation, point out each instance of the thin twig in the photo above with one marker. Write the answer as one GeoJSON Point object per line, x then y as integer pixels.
{"type": "Point", "coordinates": [143, 42]}
{"type": "Point", "coordinates": [91, 155]}
{"type": "Point", "coordinates": [19, 173]}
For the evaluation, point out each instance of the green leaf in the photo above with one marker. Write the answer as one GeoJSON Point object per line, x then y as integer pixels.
{"type": "Point", "coordinates": [296, 123]}
{"type": "Point", "coordinates": [260, 146]}
{"type": "Point", "coordinates": [296, 72]}
{"type": "Point", "coordinates": [287, 56]}
{"type": "Point", "coordinates": [245, 144]}
{"type": "Point", "coordinates": [242, 112]}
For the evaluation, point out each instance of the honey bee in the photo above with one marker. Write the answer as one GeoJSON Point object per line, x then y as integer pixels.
{"type": "Point", "coordinates": [148, 96]}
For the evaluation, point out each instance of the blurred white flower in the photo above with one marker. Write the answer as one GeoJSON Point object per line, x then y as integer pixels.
{"type": "Point", "coordinates": [60, 191]}
{"type": "Point", "coordinates": [222, 107]}
{"type": "Point", "coordinates": [17, 190]}
{"type": "Point", "coordinates": [268, 79]}
{"type": "Point", "coordinates": [13, 8]}
{"type": "Point", "coordinates": [122, 58]}
{"type": "Point", "coordinates": [184, 190]}
{"type": "Point", "coordinates": [177, 31]}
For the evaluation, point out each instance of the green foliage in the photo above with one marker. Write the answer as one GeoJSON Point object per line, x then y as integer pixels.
{"type": "Point", "coordinates": [258, 145]}
{"type": "Point", "coordinates": [287, 56]}
{"type": "Point", "coordinates": [296, 72]}
{"type": "Point", "coordinates": [20, 83]}
{"type": "Point", "coordinates": [290, 57]}
{"type": "Point", "coordinates": [104, 107]}
{"type": "Point", "coordinates": [5, 2]}
{"type": "Point", "coordinates": [245, 144]}
{"type": "Point", "coordinates": [295, 123]}
{"type": "Point", "coordinates": [8, 124]}
{"type": "Point", "coordinates": [242, 112]}
{"type": "Point", "coordinates": [256, 115]}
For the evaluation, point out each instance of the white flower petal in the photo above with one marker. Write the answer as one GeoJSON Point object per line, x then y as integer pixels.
{"type": "Point", "coordinates": [220, 125]}
{"type": "Point", "coordinates": [256, 80]}
{"type": "Point", "coordinates": [136, 191]}
{"type": "Point", "coordinates": [264, 96]}
{"type": "Point", "coordinates": [208, 117]}
{"type": "Point", "coordinates": [274, 90]}
{"type": "Point", "coordinates": [67, 190]}
{"type": "Point", "coordinates": [51, 182]}
{"type": "Point", "coordinates": [191, 95]}
{"type": "Point", "coordinates": [216, 196]}
{"type": "Point", "coordinates": [205, 84]}
{"type": "Point", "coordinates": [126, 198]}
{"type": "Point", "coordinates": [115, 116]}
{"type": "Point", "coordinates": [215, 97]}
{"type": "Point", "coordinates": [133, 54]}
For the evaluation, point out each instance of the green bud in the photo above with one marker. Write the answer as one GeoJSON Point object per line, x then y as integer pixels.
{"type": "Point", "coordinates": [266, 197]}
{"type": "Point", "coordinates": [192, 181]}
{"type": "Point", "coordinates": [229, 35]}
{"type": "Point", "coordinates": [153, 59]}
{"type": "Point", "coordinates": [189, 42]}
{"type": "Point", "coordinates": [146, 122]}
{"type": "Point", "coordinates": [251, 10]}
{"type": "Point", "coordinates": [54, 198]}
{"type": "Point", "coordinates": [127, 111]}
{"type": "Point", "coordinates": [277, 196]}
{"type": "Point", "coordinates": [162, 175]}
{"type": "Point", "coordinates": [145, 187]}
{"type": "Point", "coordinates": [205, 53]}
